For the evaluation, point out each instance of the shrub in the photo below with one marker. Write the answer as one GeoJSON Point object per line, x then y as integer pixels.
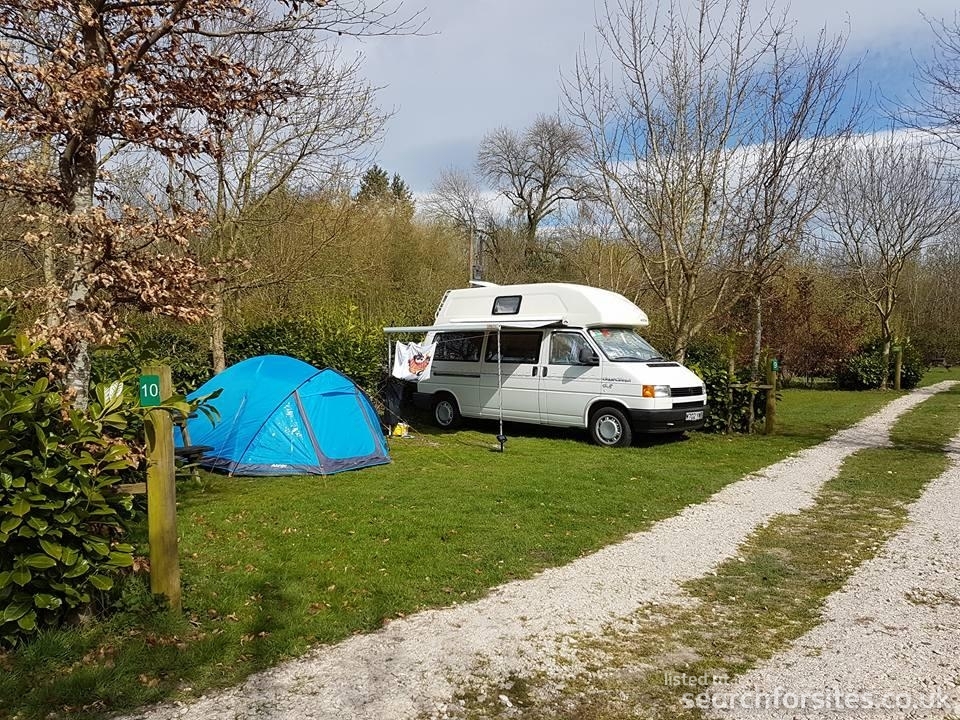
{"type": "Point", "coordinates": [864, 371]}
{"type": "Point", "coordinates": [341, 340]}
{"type": "Point", "coordinates": [708, 362]}
{"type": "Point", "coordinates": [61, 521]}
{"type": "Point", "coordinates": [184, 349]}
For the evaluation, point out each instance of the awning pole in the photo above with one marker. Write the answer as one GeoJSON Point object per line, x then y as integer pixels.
{"type": "Point", "coordinates": [501, 438]}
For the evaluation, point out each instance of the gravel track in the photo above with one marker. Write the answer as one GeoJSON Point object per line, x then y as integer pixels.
{"type": "Point", "coordinates": [894, 628]}
{"type": "Point", "coordinates": [414, 666]}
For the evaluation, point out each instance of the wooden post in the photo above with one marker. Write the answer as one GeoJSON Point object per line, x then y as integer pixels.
{"type": "Point", "coordinates": [162, 495]}
{"type": "Point", "coordinates": [771, 413]}
{"type": "Point", "coordinates": [731, 372]}
{"type": "Point", "coordinates": [897, 366]}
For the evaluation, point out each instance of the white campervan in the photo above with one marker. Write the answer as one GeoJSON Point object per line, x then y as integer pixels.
{"type": "Point", "coordinates": [555, 354]}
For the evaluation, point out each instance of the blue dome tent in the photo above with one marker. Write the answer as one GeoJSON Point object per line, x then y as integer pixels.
{"type": "Point", "coordinates": [281, 416]}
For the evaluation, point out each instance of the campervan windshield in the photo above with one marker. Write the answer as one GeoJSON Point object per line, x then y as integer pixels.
{"type": "Point", "coordinates": [624, 345]}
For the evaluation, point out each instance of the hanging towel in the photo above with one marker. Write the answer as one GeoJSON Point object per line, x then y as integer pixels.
{"type": "Point", "coordinates": [413, 362]}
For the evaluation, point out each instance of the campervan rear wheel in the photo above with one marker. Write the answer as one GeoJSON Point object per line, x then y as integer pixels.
{"type": "Point", "coordinates": [446, 413]}
{"type": "Point", "coordinates": [609, 427]}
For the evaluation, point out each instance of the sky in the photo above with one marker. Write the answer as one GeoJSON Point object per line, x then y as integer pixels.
{"type": "Point", "coordinates": [483, 64]}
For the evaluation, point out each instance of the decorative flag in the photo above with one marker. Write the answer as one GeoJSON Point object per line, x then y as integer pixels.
{"type": "Point", "coordinates": [413, 362]}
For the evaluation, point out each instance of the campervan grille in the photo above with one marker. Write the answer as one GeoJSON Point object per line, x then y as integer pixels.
{"type": "Point", "coordinates": [689, 404]}
{"type": "Point", "coordinates": [687, 391]}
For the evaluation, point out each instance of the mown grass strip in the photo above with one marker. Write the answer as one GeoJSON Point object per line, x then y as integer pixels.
{"type": "Point", "coordinates": [939, 374]}
{"type": "Point", "coordinates": [273, 566]}
{"type": "Point", "coordinates": [766, 597]}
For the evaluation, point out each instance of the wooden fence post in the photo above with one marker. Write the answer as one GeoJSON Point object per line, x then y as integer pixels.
{"type": "Point", "coordinates": [897, 365]}
{"type": "Point", "coordinates": [771, 413]}
{"type": "Point", "coordinates": [731, 375]}
{"type": "Point", "coordinates": [162, 494]}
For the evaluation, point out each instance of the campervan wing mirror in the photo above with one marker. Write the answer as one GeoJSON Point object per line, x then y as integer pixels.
{"type": "Point", "coordinates": [588, 356]}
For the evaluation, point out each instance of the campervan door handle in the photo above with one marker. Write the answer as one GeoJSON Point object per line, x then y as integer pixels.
{"type": "Point", "coordinates": [534, 370]}
{"type": "Point", "coordinates": [543, 371]}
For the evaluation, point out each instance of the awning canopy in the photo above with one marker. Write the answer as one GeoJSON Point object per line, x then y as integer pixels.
{"type": "Point", "coordinates": [479, 324]}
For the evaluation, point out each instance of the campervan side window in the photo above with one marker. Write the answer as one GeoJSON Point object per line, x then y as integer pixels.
{"type": "Point", "coordinates": [507, 305]}
{"type": "Point", "coordinates": [565, 348]}
{"type": "Point", "coordinates": [520, 347]}
{"type": "Point", "coordinates": [459, 347]}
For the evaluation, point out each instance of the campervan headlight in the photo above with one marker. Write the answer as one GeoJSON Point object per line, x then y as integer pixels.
{"type": "Point", "coordinates": [655, 391]}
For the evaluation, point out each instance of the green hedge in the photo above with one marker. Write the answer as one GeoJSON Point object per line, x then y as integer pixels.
{"type": "Point", "coordinates": [708, 362]}
{"type": "Point", "coordinates": [340, 339]}
{"type": "Point", "coordinates": [185, 349]}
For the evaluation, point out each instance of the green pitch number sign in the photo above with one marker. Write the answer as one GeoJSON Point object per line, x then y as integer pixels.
{"type": "Point", "coordinates": [149, 390]}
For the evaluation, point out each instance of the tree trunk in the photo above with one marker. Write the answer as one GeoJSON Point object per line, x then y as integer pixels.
{"type": "Point", "coordinates": [757, 333]}
{"type": "Point", "coordinates": [78, 377]}
{"type": "Point", "coordinates": [885, 355]}
{"type": "Point", "coordinates": [530, 249]}
{"type": "Point", "coordinates": [217, 329]}
{"type": "Point", "coordinates": [680, 345]}
{"type": "Point", "coordinates": [79, 170]}
{"type": "Point", "coordinates": [50, 279]}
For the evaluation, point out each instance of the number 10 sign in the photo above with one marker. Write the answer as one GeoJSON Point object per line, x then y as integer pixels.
{"type": "Point", "coordinates": [149, 390]}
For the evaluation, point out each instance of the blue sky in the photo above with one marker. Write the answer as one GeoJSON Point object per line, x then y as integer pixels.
{"type": "Point", "coordinates": [491, 63]}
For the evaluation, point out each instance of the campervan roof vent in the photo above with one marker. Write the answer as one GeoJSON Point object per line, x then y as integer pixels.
{"type": "Point", "coordinates": [663, 364]}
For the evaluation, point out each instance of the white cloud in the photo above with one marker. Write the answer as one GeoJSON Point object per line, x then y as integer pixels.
{"type": "Point", "coordinates": [498, 62]}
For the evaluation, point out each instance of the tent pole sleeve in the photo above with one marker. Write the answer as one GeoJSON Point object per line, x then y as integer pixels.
{"type": "Point", "coordinates": [309, 428]}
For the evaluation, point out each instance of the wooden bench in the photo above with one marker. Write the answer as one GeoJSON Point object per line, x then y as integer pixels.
{"type": "Point", "coordinates": [192, 453]}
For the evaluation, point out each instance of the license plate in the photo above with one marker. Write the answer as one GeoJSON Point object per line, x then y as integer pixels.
{"type": "Point", "coordinates": [695, 415]}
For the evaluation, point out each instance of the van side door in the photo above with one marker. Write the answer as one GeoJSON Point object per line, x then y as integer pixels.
{"type": "Point", "coordinates": [456, 369]}
{"type": "Point", "coordinates": [567, 383]}
{"type": "Point", "coordinates": [519, 375]}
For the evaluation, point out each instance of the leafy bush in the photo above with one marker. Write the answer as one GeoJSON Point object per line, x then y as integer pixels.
{"type": "Point", "coordinates": [61, 521]}
{"type": "Point", "coordinates": [341, 340]}
{"type": "Point", "coordinates": [864, 371]}
{"type": "Point", "coordinates": [708, 362]}
{"type": "Point", "coordinates": [184, 349]}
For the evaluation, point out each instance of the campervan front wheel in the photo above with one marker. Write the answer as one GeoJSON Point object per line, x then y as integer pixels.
{"type": "Point", "coordinates": [446, 413]}
{"type": "Point", "coordinates": [609, 427]}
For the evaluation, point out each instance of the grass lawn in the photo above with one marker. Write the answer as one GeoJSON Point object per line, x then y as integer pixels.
{"type": "Point", "coordinates": [273, 566]}
{"type": "Point", "coordinates": [765, 598]}
{"type": "Point", "coordinates": [939, 374]}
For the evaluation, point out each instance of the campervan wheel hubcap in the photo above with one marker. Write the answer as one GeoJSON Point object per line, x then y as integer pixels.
{"type": "Point", "coordinates": [444, 413]}
{"type": "Point", "coordinates": [608, 428]}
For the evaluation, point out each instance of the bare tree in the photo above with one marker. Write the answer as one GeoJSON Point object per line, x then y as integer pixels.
{"type": "Point", "coordinates": [598, 256]}
{"type": "Point", "coordinates": [666, 131]}
{"type": "Point", "coordinates": [261, 163]}
{"type": "Point", "coordinates": [932, 299]}
{"type": "Point", "coordinates": [890, 195]}
{"type": "Point", "coordinates": [804, 120]}
{"type": "Point", "coordinates": [534, 170]}
{"type": "Point", "coordinates": [457, 199]}
{"type": "Point", "coordinates": [936, 95]}
{"type": "Point", "coordinates": [92, 75]}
